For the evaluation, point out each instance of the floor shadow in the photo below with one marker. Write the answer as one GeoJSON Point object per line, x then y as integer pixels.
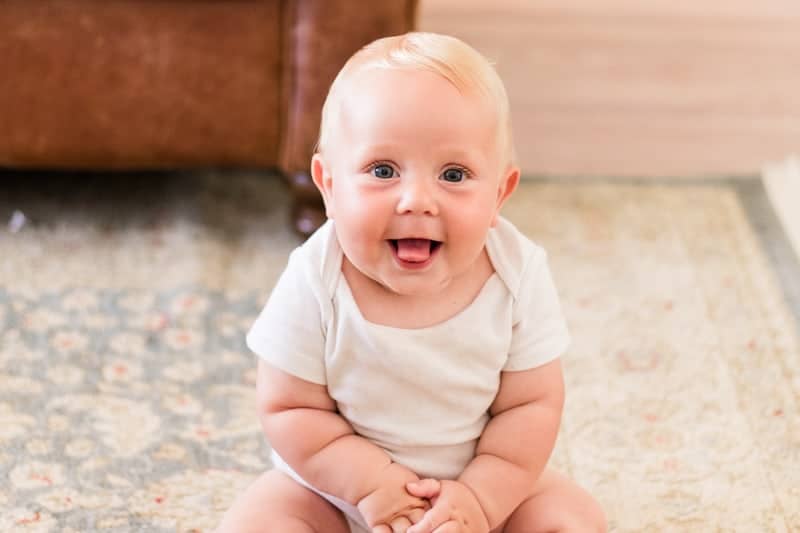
{"type": "Point", "coordinates": [215, 199]}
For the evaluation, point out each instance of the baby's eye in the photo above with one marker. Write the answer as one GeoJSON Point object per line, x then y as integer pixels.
{"type": "Point", "coordinates": [454, 175]}
{"type": "Point", "coordinates": [383, 171]}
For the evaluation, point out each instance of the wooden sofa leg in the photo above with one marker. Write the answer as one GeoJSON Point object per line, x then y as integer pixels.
{"type": "Point", "coordinates": [308, 211]}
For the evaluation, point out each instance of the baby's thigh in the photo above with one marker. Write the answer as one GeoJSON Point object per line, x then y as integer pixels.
{"type": "Point", "coordinates": [558, 504]}
{"type": "Point", "coordinates": [276, 502]}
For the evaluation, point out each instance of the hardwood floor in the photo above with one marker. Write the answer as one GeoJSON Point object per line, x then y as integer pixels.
{"type": "Point", "coordinates": [630, 88]}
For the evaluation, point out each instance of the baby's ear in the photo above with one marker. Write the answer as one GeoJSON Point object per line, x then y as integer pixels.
{"type": "Point", "coordinates": [321, 175]}
{"type": "Point", "coordinates": [508, 183]}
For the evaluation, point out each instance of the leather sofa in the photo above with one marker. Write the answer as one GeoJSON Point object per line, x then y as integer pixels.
{"type": "Point", "coordinates": [163, 84]}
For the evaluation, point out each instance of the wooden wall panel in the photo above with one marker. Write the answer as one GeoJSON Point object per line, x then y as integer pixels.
{"type": "Point", "coordinates": [634, 88]}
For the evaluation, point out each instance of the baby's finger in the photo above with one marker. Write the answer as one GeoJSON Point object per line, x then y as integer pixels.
{"type": "Point", "coordinates": [400, 524]}
{"type": "Point", "coordinates": [432, 519]}
{"type": "Point", "coordinates": [424, 488]}
{"type": "Point", "coordinates": [451, 526]}
{"type": "Point", "coordinates": [415, 515]}
{"type": "Point", "coordinates": [383, 528]}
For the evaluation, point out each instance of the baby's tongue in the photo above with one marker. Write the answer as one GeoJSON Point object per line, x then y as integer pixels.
{"type": "Point", "coordinates": [414, 250]}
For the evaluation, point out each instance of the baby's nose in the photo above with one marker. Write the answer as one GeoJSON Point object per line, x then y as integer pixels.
{"type": "Point", "coordinates": [417, 197]}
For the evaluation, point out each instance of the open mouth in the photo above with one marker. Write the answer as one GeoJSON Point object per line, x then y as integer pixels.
{"type": "Point", "coordinates": [414, 252]}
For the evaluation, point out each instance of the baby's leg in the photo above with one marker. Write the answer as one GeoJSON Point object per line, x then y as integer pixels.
{"type": "Point", "coordinates": [276, 502]}
{"type": "Point", "coordinates": [558, 504]}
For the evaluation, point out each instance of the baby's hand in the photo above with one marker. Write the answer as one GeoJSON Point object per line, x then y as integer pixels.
{"type": "Point", "coordinates": [455, 508]}
{"type": "Point", "coordinates": [390, 507]}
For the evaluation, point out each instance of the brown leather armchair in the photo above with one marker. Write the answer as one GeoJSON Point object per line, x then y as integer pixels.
{"type": "Point", "coordinates": [158, 84]}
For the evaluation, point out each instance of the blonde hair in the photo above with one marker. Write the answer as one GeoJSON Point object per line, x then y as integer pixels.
{"type": "Point", "coordinates": [451, 58]}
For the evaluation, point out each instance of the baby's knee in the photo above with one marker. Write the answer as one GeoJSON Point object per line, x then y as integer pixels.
{"type": "Point", "coordinates": [588, 518]}
{"type": "Point", "coordinates": [591, 519]}
{"type": "Point", "coordinates": [276, 502]}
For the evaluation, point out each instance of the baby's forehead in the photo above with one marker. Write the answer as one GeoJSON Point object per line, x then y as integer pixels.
{"type": "Point", "coordinates": [366, 127]}
{"type": "Point", "coordinates": [398, 87]}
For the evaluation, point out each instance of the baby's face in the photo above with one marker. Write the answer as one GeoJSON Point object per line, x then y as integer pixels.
{"type": "Point", "coordinates": [412, 177]}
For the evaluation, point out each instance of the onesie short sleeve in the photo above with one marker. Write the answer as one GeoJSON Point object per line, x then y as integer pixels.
{"type": "Point", "coordinates": [539, 331]}
{"type": "Point", "coordinates": [289, 331]}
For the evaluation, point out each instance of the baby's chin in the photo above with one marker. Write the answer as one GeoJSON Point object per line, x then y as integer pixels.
{"type": "Point", "coordinates": [413, 286]}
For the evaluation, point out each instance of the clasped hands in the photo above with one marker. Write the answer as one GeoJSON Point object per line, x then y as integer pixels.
{"type": "Point", "coordinates": [403, 503]}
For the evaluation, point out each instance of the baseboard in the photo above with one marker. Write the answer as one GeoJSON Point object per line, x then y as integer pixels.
{"type": "Point", "coordinates": [782, 182]}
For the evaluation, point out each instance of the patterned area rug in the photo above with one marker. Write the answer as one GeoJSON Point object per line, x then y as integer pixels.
{"type": "Point", "coordinates": [126, 392]}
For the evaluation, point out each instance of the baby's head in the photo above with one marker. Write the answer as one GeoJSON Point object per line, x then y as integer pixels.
{"type": "Point", "coordinates": [447, 56]}
{"type": "Point", "coordinates": [415, 160]}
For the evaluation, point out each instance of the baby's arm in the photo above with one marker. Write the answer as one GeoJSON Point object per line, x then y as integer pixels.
{"type": "Point", "coordinates": [516, 443]}
{"type": "Point", "coordinates": [301, 422]}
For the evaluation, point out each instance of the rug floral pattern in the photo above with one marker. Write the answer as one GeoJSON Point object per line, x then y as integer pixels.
{"type": "Point", "coordinates": [126, 392]}
{"type": "Point", "coordinates": [119, 405]}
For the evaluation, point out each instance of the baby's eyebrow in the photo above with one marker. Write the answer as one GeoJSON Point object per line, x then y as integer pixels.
{"type": "Point", "coordinates": [449, 152]}
{"type": "Point", "coordinates": [460, 154]}
{"type": "Point", "coordinates": [382, 148]}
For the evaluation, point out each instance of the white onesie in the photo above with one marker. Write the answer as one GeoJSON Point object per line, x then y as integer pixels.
{"type": "Point", "coordinates": [420, 394]}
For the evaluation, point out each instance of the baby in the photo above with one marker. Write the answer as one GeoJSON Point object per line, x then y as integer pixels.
{"type": "Point", "coordinates": [409, 376]}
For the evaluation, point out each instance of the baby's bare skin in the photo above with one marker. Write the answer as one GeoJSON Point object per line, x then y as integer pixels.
{"type": "Point", "coordinates": [275, 502]}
